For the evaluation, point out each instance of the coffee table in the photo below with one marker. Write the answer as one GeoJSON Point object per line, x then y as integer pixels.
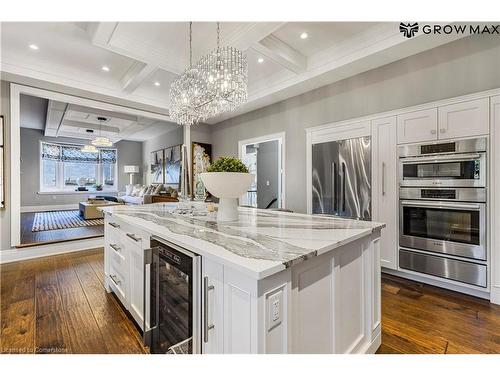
{"type": "Point", "coordinates": [89, 210]}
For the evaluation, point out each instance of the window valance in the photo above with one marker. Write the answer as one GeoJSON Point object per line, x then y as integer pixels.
{"type": "Point", "coordinates": [74, 154]}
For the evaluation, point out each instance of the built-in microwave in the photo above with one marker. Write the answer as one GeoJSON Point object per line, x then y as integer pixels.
{"type": "Point", "coordinates": [451, 164]}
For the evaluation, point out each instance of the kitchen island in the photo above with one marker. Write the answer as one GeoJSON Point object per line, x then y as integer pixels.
{"type": "Point", "coordinates": [273, 282]}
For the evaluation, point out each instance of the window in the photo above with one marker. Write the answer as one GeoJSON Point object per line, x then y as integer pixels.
{"type": "Point", "coordinates": [65, 168]}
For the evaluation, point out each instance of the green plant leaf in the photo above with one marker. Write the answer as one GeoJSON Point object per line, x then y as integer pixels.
{"type": "Point", "coordinates": [227, 164]}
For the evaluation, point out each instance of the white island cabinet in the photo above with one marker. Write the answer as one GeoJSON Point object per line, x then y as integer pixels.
{"type": "Point", "coordinates": [275, 282]}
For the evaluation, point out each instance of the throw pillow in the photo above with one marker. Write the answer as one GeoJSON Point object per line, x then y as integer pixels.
{"type": "Point", "coordinates": [157, 189]}
{"type": "Point", "coordinates": [143, 191]}
{"type": "Point", "coordinates": [128, 189]}
{"type": "Point", "coordinates": [137, 189]}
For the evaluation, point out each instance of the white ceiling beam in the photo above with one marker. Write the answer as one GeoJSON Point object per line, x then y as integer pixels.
{"type": "Point", "coordinates": [250, 33]}
{"type": "Point", "coordinates": [55, 114]}
{"type": "Point", "coordinates": [101, 112]}
{"type": "Point", "coordinates": [101, 32]}
{"type": "Point", "coordinates": [86, 125]}
{"type": "Point", "coordinates": [136, 75]}
{"type": "Point", "coordinates": [281, 53]}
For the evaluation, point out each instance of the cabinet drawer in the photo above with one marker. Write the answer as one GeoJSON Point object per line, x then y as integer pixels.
{"type": "Point", "coordinates": [118, 282]}
{"type": "Point", "coordinates": [118, 256]}
{"type": "Point", "coordinates": [132, 236]}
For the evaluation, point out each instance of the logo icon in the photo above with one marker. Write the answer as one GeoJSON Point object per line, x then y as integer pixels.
{"type": "Point", "coordinates": [408, 29]}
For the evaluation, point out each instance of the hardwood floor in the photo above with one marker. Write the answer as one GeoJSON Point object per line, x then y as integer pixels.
{"type": "Point", "coordinates": [419, 318]}
{"type": "Point", "coordinates": [29, 238]}
{"type": "Point", "coordinates": [58, 305]}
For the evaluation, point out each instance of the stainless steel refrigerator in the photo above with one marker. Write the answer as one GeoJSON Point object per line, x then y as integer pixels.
{"type": "Point", "coordinates": [341, 178]}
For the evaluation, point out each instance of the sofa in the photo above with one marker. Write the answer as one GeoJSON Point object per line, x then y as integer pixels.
{"type": "Point", "coordinates": [139, 194]}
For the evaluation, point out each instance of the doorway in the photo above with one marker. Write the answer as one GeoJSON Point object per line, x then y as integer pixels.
{"type": "Point", "coordinates": [264, 157]}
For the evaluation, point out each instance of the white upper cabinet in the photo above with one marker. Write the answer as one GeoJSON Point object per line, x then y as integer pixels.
{"type": "Point", "coordinates": [385, 187]}
{"type": "Point", "coordinates": [464, 119]}
{"type": "Point", "coordinates": [419, 126]}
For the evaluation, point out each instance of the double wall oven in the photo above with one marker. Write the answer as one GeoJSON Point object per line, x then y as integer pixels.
{"type": "Point", "coordinates": [443, 205]}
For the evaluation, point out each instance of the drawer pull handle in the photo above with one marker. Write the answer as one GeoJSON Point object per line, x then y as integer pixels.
{"type": "Point", "coordinates": [134, 237]}
{"type": "Point", "coordinates": [114, 225]}
{"type": "Point", "coordinates": [115, 280]}
{"type": "Point", "coordinates": [115, 247]}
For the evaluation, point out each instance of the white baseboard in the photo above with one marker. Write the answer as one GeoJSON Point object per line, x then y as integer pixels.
{"type": "Point", "coordinates": [14, 255]}
{"type": "Point", "coordinates": [54, 207]}
{"type": "Point", "coordinates": [495, 294]}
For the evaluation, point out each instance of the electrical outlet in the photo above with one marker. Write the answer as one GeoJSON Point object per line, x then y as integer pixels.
{"type": "Point", "coordinates": [274, 309]}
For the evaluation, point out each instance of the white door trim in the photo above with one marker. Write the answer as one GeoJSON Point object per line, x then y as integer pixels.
{"type": "Point", "coordinates": [15, 141]}
{"type": "Point", "coordinates": [280, 137]}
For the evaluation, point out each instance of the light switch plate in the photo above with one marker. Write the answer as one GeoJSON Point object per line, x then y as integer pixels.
{"type": "Point", "coordinates": [274, 309]}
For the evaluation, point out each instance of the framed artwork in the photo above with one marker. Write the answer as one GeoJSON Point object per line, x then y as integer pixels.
{"type": "Point", "coordinates": [173, 165]}
{"type": "Point", "coordinates": [2, 151]}
{"type": "Point", "coordinates": [156, 167]}
{"type": "Point", "coordinates": [201, 156]}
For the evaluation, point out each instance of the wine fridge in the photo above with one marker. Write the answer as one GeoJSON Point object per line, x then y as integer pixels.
{"type": "Point", "coordinates": [172, 294]}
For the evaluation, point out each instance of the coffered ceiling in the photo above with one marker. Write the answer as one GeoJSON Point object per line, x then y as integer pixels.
{"type": "Point", "coordinates": [59, 119]}
{"type": "Point", "coordinates": [137, 61]}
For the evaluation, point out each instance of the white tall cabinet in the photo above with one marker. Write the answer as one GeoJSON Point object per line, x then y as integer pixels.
{"type": "Point", "coordinates": [495, 199]}
{"type": "Point", "coordinates": [384, 187]}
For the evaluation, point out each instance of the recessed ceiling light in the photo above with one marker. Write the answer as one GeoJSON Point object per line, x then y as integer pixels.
{"type": "Point", "coordinates": [156, 83]}
{"type": "Point", "coordinates": [304, 35]}
{"type": "Point", "coordinates": [260, 60]}
{"type": "Point", "coordinates": [34, 47]}
{"type": "Point", "coordinates": [105, 68]}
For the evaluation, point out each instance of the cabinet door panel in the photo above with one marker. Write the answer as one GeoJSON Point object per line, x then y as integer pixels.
{"type": "Point", "coordinates": [385, 187]}
{"type": "Point", "coordinates": [419, 126]}
{"type": "Point", "coordinates": [213, 307]}
{"type": "Point", "coordinates": [136, 284]}
{"type": "Point", "coordinates": [464, 119]}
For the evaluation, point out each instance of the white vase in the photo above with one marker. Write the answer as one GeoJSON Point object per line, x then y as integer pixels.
{"type": "Point", "coordinates": [228, 187]}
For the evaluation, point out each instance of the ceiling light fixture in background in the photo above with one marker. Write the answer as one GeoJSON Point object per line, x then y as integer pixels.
{"type": "Point", "coordinates": [101, 141]}
{"type": "Point", "coordinates": [304, 35]}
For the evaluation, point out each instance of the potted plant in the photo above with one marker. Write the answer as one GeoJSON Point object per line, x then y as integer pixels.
{"type": "Point", "coordinates": [98, 187]}
{"type": "Point", "coordinates": [227, 178]}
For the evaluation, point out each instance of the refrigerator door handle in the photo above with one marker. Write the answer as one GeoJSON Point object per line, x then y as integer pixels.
{"type": "Point", "coordinates": [343, 186]}
{"type": "Point", "coordinates": [383, 178]}
{"type": "Point", "coordinates": [334, 186]}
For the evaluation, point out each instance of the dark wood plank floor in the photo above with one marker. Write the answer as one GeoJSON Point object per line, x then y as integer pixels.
{"type": "Point", "coordinates": [51, 236]}
{"type": "Point", "coordinates": [58, 305]}
{"type": "Point", "coordinates": [419, 318]}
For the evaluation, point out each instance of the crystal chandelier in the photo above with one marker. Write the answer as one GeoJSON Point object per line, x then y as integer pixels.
{"type": "Point", "coordinates": [214, 85]}
{"type": "Point", "coordinates": [101, 141]}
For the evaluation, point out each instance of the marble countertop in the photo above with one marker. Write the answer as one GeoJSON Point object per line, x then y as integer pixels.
{"type": "Point", "coordinates": [259, 244]}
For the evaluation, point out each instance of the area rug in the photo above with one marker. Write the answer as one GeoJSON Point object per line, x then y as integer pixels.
{"type": "Point", "coordinates": [52, 220]}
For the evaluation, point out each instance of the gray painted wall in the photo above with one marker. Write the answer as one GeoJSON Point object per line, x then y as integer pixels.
{"type": "Point", "coordinates": [199, 133]}
{"type": "Point", "coordinates": [129, 153]}
{"type": "Point", "coordinates": [170, 138]}
{"type": "Point", "coordinates": [267, 173]}
{"type": "Point", "coordinates": [462, 67]}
